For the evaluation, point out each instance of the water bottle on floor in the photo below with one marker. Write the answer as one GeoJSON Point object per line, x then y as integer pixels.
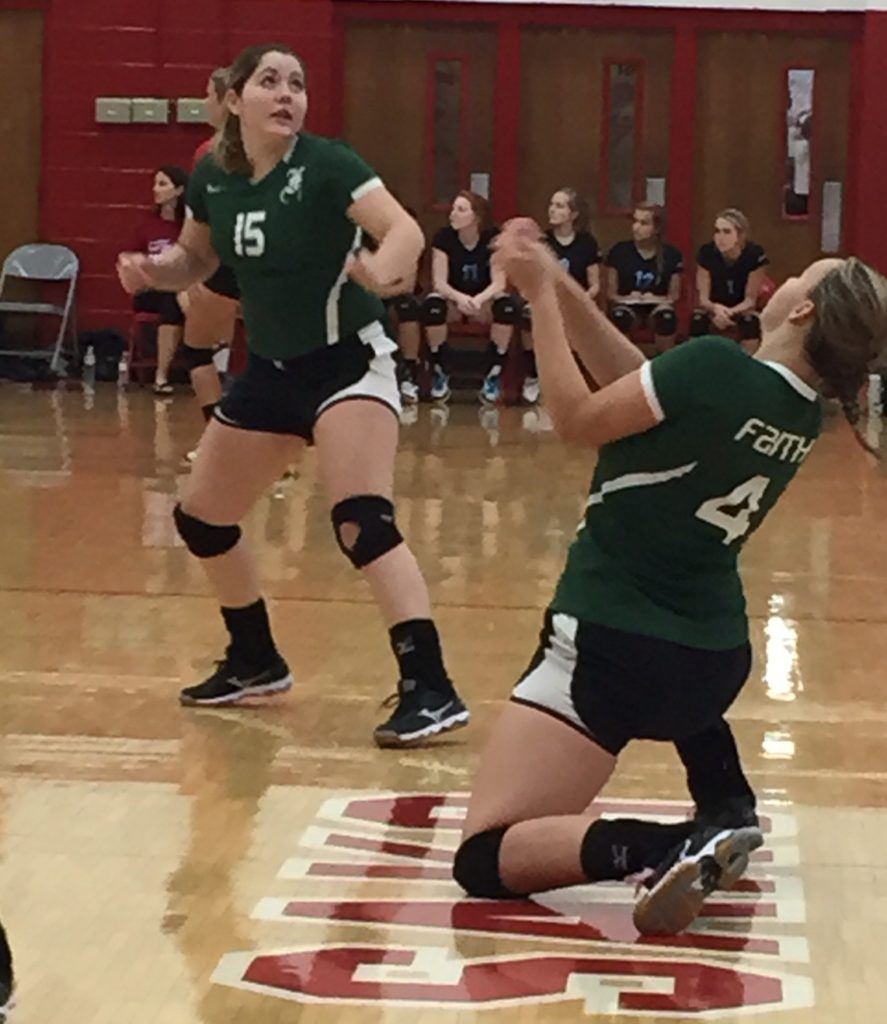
{"type": "Point", "coordinates": [88, 376]}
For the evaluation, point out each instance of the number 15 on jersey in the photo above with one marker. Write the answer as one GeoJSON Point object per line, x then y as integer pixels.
{"type": "Point", "coordinates": [249, 237]}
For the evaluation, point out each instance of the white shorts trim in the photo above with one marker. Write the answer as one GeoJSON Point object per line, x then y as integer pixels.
{"type": "Point", "coordinates": [380, 380]}
{"type": "Point", "coordinates": [550, 684]}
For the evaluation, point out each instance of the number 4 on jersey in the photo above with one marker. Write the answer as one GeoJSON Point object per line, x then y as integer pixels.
{"type": "Point", "coordinates": [732, 513]}
{"type": "Point", "coordinates": [249, 238]}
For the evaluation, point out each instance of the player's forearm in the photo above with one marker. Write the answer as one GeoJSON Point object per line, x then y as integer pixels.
{"type": "Point", "coordinates": [602, 347]}
{"type": "Point", "coordinates": [178, 268]}
{"type": "Point", "coordinates": [399, 251]}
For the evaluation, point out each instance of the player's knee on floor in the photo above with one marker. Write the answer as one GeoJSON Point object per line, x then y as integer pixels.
{"type": "Point", "coordinates": [700, 323]}
{"type": "Point", "coordinates": [194, 358]}
{"type": "Point", "coordinates": [665, 322]}
{"type": "Point", "coordinates": [749, 325]}
{"type": "Point", "coordinates": [406, 309]}
{"type": "Point", "coordinates": [434, 311]}
{"type": "Point", "coordinates": [202, 539]}
{"type": "Point", "coordinates": [506, 310]}
{"type": "Point", "coordinates": [365, 528]}
{"type": "Point", "coordinates": [476, 866]}
{"type": "Point", "coordinates": [623, 318]}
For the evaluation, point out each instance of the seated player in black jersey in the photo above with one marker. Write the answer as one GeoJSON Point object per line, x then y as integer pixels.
{"type": "Point", "coordinates": [729, 274]}
{"type": "Point", "coordinates": [647, 634]}
{"type": "Point", "coordinates": [465, 287]}
{"type": "Point", "coordinates": [644, 279]}
{"type": "Point", "coordinates": [577, 251]}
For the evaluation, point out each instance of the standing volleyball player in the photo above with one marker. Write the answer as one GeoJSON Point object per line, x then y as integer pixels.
{"type": "Point", "coordinates": [647, 635]}
{"type": "Point", "coordinates": [286, 210]}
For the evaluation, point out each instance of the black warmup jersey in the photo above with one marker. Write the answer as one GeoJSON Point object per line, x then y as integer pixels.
{"type": "Point", "coordinates": [469, 269]}
{"type": "Point", "coordinates": [730, 280]}
{"type": "Point", "coordinates": [583, 252]}
{"type": "Point", "coordinates": [637, 274]}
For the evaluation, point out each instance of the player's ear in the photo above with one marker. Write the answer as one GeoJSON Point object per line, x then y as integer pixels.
{"type": "Point", "coordinates": [803, 313]}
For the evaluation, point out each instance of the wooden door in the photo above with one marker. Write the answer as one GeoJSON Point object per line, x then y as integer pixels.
{"type": "Point", "coordinates": [741, 136]}
{"type": "Point", "coordinates": [565, 136]}
{"type": "Point", "coordinates": [390, 77]}
{"type": "Point", "coordinates": [21, 76]}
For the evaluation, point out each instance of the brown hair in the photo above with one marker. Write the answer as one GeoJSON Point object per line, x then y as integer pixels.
{"type": "Point", "coordinates": [739, 221]}
{"type": "Point", "coordinates": [480, 207]}
{"type": "Point", "coordinates": [660, 223]}
{"type": "Point", "coordinates": [578, 207]}
{"type": "Point", "coordinates": [228, 148]}
{"type": "Point", "coordinates": [849, 331]}
{"type": "Point", "coordinates": [219, 79]}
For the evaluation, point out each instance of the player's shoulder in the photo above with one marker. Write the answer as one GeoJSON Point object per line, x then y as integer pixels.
{"type": "Point", "coordinates": [444, 237]}
{"type": "Point", "coordinates": [620, 249]}
{"type": "Point", "coordinates": [755, 254]}
{"type": "Point", "coordinates": [673, 253]}
{"type": "Point", "coordinates": [326, 150]}
{"type": "Point", "coordinates": [706, 253]}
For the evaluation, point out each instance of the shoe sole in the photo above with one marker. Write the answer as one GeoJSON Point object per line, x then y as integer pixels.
{"type": "Point", "coordinates": [387, 739]}
{"type": "Point", "coordinates": [675, 902]}
{"type": "Point", "coordinates": [266, 690]}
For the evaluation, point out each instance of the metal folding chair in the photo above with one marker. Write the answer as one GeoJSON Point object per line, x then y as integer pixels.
{"type": "Point", "coordinates": [43, 262]}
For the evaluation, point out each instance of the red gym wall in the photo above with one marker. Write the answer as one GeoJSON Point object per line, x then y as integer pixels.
{"type": "Point", "coordinates": [95, 178]}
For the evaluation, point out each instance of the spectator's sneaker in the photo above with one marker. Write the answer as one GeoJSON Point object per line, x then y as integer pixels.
{"type": "Point", "coordinates": [530, 392]}
{"type": "Point", "coordinates": [409, 388]}
{"type": "Point", "coordinates": [228, 685]}
{"type": "Point", "coordinates": [709, 859]}
{"type": "Point", "coordinates": [419, 713]}
{"type": "Point", "coordinates": [440, 385]}
{"type": "Point", "coordinates": [163, 388]}
{"type": "Point", "coordinates": [491, 389]}
{"type": "Point", "coordinates": [7, 980]}
{"type": "Point", "coordinates": [409, 415]}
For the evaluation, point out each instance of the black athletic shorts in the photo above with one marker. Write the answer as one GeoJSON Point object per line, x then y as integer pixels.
{"type": "Point", "coordinates": [287, 396]}
{"type": "Point", "coordinates": [615, 687]}
{"type": "Point", "coordinates": [163, 304]}
{"type": "Point", "coordinates": [224, 282]}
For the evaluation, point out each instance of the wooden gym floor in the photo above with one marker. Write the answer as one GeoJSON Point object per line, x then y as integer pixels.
{"type": "Point", "coordinates": [270, 865]}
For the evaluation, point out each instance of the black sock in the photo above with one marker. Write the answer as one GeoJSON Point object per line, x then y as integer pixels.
{"type": "Point", "coordinates": [411, 368]}
{"type": "Point", "coordinates": [441, 357]}
{"type": "Point", "coordinates": [532, 370]}
{"type": "Point", "coordinates": [207, 411]}
{"type": "Point", "coordinates": [251, 642]}
{"type": "Point", "coordinates": [616, 849]}
{"type": "Point", "coordinates": [416, 646]}
{"type": "Point", "coordinates": [497, 359]}
{"type": "Point", "coordinates": [714, 772]}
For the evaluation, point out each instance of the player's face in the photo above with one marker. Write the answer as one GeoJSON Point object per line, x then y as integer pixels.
{"type": "Point", "coordinates": [792, 299]}
{"type": "Point", "coordinates": [726, 235]}
{"type": "Point", "coordinates": [164, 190]}
{"type": "Point", "coordinates": [559, 212]}
{"type": "Point", "coordinates": [274, 99]}
{"type": "Point", "coordinates": [461, 214]}
{"type": "Point", "coordinates": [215, 110]}
{"type": "Point", "coordinates": [642, 226]}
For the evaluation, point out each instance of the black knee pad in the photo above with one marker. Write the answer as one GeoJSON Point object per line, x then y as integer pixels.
{"type": "Point", "coordinates": [749, 325]}
{"type": "Point", "coordinates": [433, 312]}
{"type": "Point", "coordinates": [665, 323]}
{"type": "Point", "coordinates": [203, 539]}
{"type": "Point", "coordinates": [623, 318]}
{"type": "Point", "coordinates": [406, 308]}
{"type": "Point", "coordinates": [476, 866]}
{"type": "Point", "coordinates": [196, 357]}
{"type": "Point", "coordinates": [378, 534]}
{"type": "Point", "coordinates": [506, 310]}
{"type": "Point", "coordinates": [700, 323]}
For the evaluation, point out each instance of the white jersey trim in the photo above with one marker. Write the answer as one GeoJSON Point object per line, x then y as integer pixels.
{"type": "Point", "coordinates": [332, 302]}
{"type": "Point", "coordinates": [629, 480]}
{"type": "Point", "coordinates": [793, 379]}
{"type": "Point", "coordinates": [367, 186]}
{"type": "Point", "coordinates": [650, 391]}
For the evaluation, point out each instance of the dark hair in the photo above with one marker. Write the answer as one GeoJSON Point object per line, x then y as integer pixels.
{"type": "Point", "coordinates": [578, 207]}
{"type": "Point", "coordinates": [179, 177]}
{"type": "Point", "coordinates": [660, 223]}
{"type": "Point", "coordinates": [848, 333]}
{"type": "Point", "coordinates": [219, 79]}
{"type": "Point", "coordinates": [479, 206]}
{"type": "Point", "coordinates": [228, 150]}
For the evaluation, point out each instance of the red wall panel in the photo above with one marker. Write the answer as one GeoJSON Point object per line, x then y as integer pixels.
{"type": "Point", "coordinates": [96, 178]}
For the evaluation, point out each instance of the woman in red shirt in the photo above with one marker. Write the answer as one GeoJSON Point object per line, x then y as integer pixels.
{"type": "Point", "coordinates": [157, 232]}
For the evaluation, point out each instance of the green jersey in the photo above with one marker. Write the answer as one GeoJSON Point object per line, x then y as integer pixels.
{"type": "Point", "coordinates": [287, 237]}
{"type": "Point", "coordinates": [670, 509]}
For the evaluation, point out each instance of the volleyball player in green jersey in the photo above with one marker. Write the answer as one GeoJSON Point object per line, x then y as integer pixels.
{"type": "Point", "coordinates": [647, 636]}
{"type": "Point", "coordinates": [286, 210]}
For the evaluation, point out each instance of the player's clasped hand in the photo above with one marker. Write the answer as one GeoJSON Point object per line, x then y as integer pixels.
{"type": "Point", "coordinates": [135, 272]}
{"type": "Point", "coordinates": [526, 260]}
{"type": "Point", "coordinates": [362, 268]}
